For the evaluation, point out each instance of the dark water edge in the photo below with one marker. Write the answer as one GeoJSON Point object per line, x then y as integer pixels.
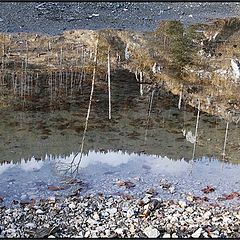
{"type": "Point", "coordinates": [54, 18]}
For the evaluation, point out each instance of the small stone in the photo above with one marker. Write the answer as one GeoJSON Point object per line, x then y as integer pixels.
{"type": "Point", "coordinates": [172, 189]}
{"type": "Point", "coordinates": [107, 232]}
{"type": "Point", "coordinates": [166, 235]}
{"type": "Point", "coordinates": [189, 209]}
{"type": "Point", "coordinates": [30, 225]}
{"type": "Point", "coordinates": [119, 231]}
{"type": "Point", "coordinates": [146, 199]}
{"type": "Point", "coordinates": [130, 213]}
{"type": "Point", "coordinates": [8, 211]}
{"type": "Point", "coordinates": [150, 191]}
{"type": "Point", "coordinates": [72, 206]}
{"type": "Point", "coordinates": [205, 235]}
{"type": "Point", "coordinates": [91, 221]}
{"type": "Point", "coordinates": [96, 216]}
{"type": "Point", "coordinates": [87, 234]}
{"type": "Point", "coordinates": [182, 204]}
{"type": "Point", "coordinates": [190, 198]}
{"type": "Point", "coordinates": [197, 233]}
{"type": "Point", "coordinates": [174, 235]}
{"type": "Point", "coordinates": [52, 199]}
{"type": "Point", "coordinates": [39, 211]}
{"type": "Point", "coordinates": [151, 232]}
{"type": "Point", "coordinates": [112, 211]}
{"type": "Point", "coordinates": [51, 236]}
{"type": "Point", "coordinates": [207, 214]}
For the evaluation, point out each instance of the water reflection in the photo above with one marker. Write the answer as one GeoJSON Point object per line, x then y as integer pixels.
{"type": "Point", "coordinates": [101, 171]}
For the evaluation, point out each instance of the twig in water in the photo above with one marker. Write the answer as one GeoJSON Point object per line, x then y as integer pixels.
{"type": "Point", "coordinates": [109, 86]}
{"type": "Point", "coordinates": [88, 114]}
{"type": "Point", "coordinates": [225, 141]}
{"type": "Point", "coordinates": [149, 113]}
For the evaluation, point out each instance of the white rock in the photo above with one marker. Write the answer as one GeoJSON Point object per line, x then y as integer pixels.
{"type": "Point", "coordinates": [207, 214]}
{"type": "Point", "coordinates": [197, 233]}
{"type": "Point", "coordinates": [119, 231]}
{"type": "Point", "coordinates": [52, 199]}
{"type": "Point", "coordinates": [91, 221]}
{"type": "Point", "coordinates": [96, 216]}
{"type": "Point", "coordinates": [130, 213]}
{"type": "Point", "coordinates": [151, 232]}
{"type": "Point", "coordinates": [51, 236]}
{"type": "Point", "coordinates": [39, 211]}
{"type": "Point", "coordinates": [72, 206]}
{"type": "Point", "coordinates": [182, 204]}
{"type": "Point", "coordinates": [112, 211]}
{"type": "Point", "coordinates": [190, 198]}
{"type": "Point", "coordinates": [166, 235]}
{"type": "Point", "coordinates": [174, 235]}
{"type": "Point", "coordinates": [107, 232]}
{"type": "Point", "coordinates": [8, 211]}
{"type": "Point", "coordinates": [30, 225]}
{"type": "Point", "coordinates": [227, 220]}
{"type": "Point", "coordinates": [87, 234]}
{"type": "Point", "coordinates": [189, 209]}
{"type": "Point", "coordinates": [146, 199]}
{"type": "Point", "coordinates": [172, 189]}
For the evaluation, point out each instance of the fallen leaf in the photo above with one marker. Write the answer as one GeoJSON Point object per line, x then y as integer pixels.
{"type": "Point", "coordinates": [55, 188]}
{"type": "Point", "coordinates": [126, 184]}
{"type": "Point", "coordinates": [231, 196]}
{"type": "Point", "coordinates": [208, 189]}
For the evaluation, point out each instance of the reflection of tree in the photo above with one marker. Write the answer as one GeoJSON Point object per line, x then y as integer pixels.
{"type": "Point", "coordinates": [73, 167]}
{"type": "Point", "coordinates": [176, 43]}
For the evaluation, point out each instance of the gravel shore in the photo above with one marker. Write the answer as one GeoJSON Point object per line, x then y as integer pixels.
{"type": "Point", "coordinates": [96, 215]}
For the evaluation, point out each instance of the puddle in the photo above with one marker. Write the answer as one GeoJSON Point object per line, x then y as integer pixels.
{"type": "Point", "coordinates": [101, 171]}
{"type": "Point", "coordinates": [134, 145]}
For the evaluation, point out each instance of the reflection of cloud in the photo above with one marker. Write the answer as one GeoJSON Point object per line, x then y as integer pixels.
{"type": "Point", "coordinates": [31, 165]}
{"type": "Point", "coordinates": [112, 158]}
{"type": "Point", "coordinates": [158, 164]}
{"type": "Point", "coordinates": [5, 166]}
{"type": "Point", "coordinates": [166, 165]}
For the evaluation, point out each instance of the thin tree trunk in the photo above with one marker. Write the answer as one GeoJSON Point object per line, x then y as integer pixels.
{"type": "Point", "coordinates": [225, 141]}
{"type": "Point", "coordinates": [180, 98]}
{"type": "Point", "coordinates": [88, 113]}
{"type": "Point", "coordinates": [109, 85]}
{"type": "Point", "coordinates": [149, 113]}
{"type": "Point", "coordinates": [141, 80]}
{"type": "Point", "coordinates": [196, 131]}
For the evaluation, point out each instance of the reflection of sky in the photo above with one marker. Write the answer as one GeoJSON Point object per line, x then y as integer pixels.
{"type": "Point", "coordinates": [115, 159]}
{"type": "Point", "coordinates": [157, 164]}
{"type": "Point", "coordinates": [28, 166]}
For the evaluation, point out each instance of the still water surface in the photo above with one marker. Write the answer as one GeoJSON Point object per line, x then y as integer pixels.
{"type": "Point", "coordinates": [134, 145]}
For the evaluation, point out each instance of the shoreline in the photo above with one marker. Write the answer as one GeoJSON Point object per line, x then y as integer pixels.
{"type": "Point", "coordinates": [96, 215]}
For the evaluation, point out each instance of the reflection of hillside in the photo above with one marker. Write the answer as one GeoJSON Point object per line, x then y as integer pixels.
{"type": "Point", "coordinates": [59, 133]}
{"type": "Point", "coordinates": [193, 60]}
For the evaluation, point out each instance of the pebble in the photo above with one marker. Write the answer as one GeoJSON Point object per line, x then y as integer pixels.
{"type": "Point", "coordinates": [166, 235]}
{"type": "Point", "coordinates": [151, 232]}
{"type": "Point", "coordinates": [39, 211]}
{"type": "Point", "coordinates": [146, 199]}
{"type": "Point", "coordinates": [30, 225]}
{"type": "Point", "coordinates": [207, 214]}
{"type": "Point", "coordinates": [182, 204]}
{"type": "Point", "coordinates": [112, 211]}
{"type": "Point", "coordinates": [118, 217]}
{"type": "Point", "coordinates": [130, 213]}
{"type": "Point", "coordinates": [197, 233]}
